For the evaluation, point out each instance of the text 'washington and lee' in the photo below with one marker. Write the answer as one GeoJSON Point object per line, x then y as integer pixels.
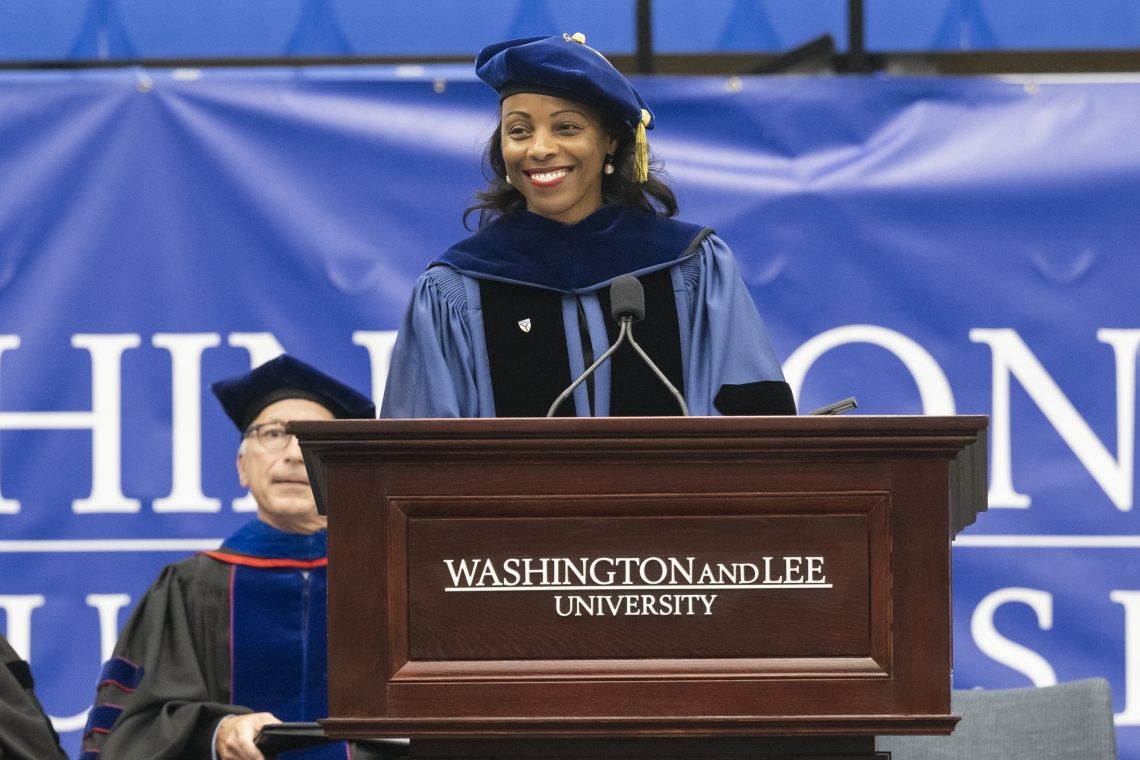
{"type": "Point", "coordinates": [633, 574]}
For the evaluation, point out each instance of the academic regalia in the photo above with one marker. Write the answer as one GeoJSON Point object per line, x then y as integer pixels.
{"type": "Point", "coordinates": [505, 320]}
{"type": "Point", "coordinates": [245, 396]}
{"type": "Point", "coordinates": [26, 732]}
{"type": "Point", "coordinates": [227, 632]}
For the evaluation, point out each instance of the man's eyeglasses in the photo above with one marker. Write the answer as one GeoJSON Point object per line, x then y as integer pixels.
{"type": "Point", "coordinates": [271, 435]}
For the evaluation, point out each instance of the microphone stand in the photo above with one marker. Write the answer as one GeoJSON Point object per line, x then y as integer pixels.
{"type": "Point", "coordinates": [626, 333]}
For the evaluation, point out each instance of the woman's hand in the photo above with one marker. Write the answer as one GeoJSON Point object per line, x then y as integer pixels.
{"type": "Point", "coordinates": [236, 734]}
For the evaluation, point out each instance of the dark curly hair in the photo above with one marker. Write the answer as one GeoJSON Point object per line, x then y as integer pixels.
{"type": "Point", "coordinates": [501, 198]}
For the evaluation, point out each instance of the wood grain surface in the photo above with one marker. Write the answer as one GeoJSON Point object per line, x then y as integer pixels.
{"type": "Point", "coordinates": [869, 653]}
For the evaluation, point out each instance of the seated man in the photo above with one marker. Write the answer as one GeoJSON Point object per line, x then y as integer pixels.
{"type": "Point", "coordinates": [25, 732]}
{"type": "Point", "coordinates": [228, 641]}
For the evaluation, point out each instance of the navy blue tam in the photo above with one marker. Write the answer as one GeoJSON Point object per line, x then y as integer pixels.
{"type": "Point", "coordinates": [246, 396]}
{"type": "Point", "coordinates": [563, 67]}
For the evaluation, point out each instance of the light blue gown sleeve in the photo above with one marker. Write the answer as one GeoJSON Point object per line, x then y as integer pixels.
{"type": "Point", "coordinates": [727, 342]}
{"type": "Point", "coordinates": [433, 368]}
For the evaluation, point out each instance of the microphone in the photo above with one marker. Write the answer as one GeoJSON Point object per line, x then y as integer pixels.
{"type": "Point", "coordinates": [627, 297]}
{"type": "Point", "coordinates": [627, 305]}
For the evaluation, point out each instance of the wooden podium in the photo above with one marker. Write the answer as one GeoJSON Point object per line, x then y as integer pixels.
{"type": "Point", "coordinates": [666, 587]}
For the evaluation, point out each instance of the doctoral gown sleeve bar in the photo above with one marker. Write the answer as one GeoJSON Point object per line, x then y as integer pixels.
{"type": "Point", "coordinates": [178, 639]}
{"type": "Point", "coordinates": [25, 731]}
{"type": "Point", "coordinates": [433, 370]}
{"type": "Point", "coordinates": [728, 343]}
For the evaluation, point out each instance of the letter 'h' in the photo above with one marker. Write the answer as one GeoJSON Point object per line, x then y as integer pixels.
{"type": "Point", "coordinates": [103, 422]}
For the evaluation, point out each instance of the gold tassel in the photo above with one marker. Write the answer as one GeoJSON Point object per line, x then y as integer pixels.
{"type": "Point", "coordinates": [641, 150]}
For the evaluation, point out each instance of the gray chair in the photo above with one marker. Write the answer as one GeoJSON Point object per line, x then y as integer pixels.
{"type": "Point", "coordinates": [1071, 721]}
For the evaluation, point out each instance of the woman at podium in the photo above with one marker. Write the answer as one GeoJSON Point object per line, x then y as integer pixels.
{"type": "Point", "coordinates": [504, 321]}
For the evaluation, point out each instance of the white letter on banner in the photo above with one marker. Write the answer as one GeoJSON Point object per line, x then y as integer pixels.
{"type": "Point", "coordinates": [379, 344]}
{"type": "Point", "coordinates": [186, 403]}
{"type": "Point", "coordinates": [262, 347]}
{"type": "Point", "coordinates": [8, 506]}
{"type": "Point", "coordinates": [18, 609]}
{"type": "Point", "coordinates": [1131, 601]}
{"type": "Point", "coordinates": [108, 606]}
{"type": "Point", "coordinates": [933, 387]}
{"type": "Point", "coordinates": [106, 396]}
{"type": "Point", "coordinates": [103, 421]}
{"type": "Point", "coordinates": [1009, 653]}
{"type": "Point", "coordinates": [72, 723]}
{"type": "Point", "coordinates": [1012, 356]}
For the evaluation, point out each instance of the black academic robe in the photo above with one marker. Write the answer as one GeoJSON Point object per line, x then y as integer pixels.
{"type": "Point", "coordinates": [223, 633]}
{"type": "Point", "coordinates": [26, 732]}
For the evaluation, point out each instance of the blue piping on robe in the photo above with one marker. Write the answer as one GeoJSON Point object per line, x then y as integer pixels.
{"type": "Point", "coordinates": [121, 672]}
{"type": "Point", "coordinates": [278, 622]}
{"type": "Point", "coordinates": [101, 718]}
{"type": "Point", "coordinates": [260, 539]}
{"type": "Point", "coordinates": [279, 642]}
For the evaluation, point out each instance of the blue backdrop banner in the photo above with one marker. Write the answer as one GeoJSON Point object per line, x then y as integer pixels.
{"type": "Point", "coordinates": [926, 245]}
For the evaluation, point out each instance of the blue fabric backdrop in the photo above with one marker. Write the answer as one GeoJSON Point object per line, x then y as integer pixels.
{"type": "Point", "coordinates": [127, 29]}
{"type": "Point", "coordinates": [926, 240]}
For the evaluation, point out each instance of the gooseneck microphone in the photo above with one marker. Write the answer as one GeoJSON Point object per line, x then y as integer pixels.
{"type": "Point", "coordinates": [627, 305]}
{"type": "Point", "coordinates": [627, 299]}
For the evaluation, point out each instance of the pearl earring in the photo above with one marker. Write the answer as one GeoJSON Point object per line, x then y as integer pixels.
{"type": "Point", "coordinates": [508, 178]}
{"type": "Point", "coordinates": [609, 167]}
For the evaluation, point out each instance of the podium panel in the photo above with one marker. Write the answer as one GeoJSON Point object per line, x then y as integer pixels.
{"type": "Point", "coordinates": [615, 577]}
{"type": "Point", "coordinates": [641, 579]}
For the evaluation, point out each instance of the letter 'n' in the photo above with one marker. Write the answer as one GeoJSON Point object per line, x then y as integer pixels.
{"type": "Point", "coordinates": [1012, 357]}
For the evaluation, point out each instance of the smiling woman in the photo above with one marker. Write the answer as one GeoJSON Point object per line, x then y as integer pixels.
{"type": "Point", "coordinates": [505, 320]}
{"type": "Point", "coordinates": [614, 147]}
{"type": "Point", "coordinates": [553, 152]}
